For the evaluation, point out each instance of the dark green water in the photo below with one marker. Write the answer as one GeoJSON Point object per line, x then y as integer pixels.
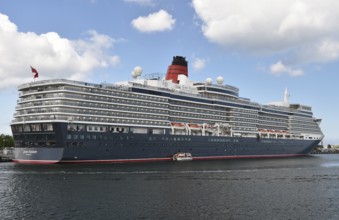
{"type": "Point", "coordinates": [288, 188]}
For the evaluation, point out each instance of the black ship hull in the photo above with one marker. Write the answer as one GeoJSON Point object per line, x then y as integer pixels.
{"type": "Point", "coordinates": [87, 147]}
{"type": "Point", "coordinates": [152, 119]}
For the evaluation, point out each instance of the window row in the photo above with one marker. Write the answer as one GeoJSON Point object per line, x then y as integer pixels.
{"type": "Point", "coordinates": [197, 110]}
{"type": "Point", "coordinates": [90, 119]}
{"type": "Point", "coordinates": [189, 115]}
{"type": "Point", "coordinates": [115, 91]}
{"type": "Point", "coordinates": [32, 127]}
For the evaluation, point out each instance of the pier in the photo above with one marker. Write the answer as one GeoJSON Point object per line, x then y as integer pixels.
{"type": "Point", "coordinates": [6, 155]}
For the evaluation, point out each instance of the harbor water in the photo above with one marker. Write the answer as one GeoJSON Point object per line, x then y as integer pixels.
{"type": "Point", "coordinates": [286, 188]}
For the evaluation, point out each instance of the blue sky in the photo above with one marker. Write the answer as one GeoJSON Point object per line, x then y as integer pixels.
{"type": "Point", "coordinates": [261, 47]}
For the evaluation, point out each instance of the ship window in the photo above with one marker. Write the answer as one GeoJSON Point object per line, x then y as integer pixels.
{"type": "Point", "coordinates": [47, 127]}
{"type": "Point", "coordinates": [17, 128]}
{"type": "Point", "coordinates": [27, 128]}
{"type": "Point", "coordinates": [69, 136]}
{"type": "Point", "coordinates": [70, 127]}
{"type": "Point", "coordinates": [36, 127]}
{"type": "Point", "coordinates": [78, 127]}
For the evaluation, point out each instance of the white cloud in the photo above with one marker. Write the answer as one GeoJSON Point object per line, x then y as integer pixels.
{"type": "Point", "coordinates": [141, 2]}
{"type": "Point", "coordinates": [52, 55]}
{"type": "Point", "coordinates": [158, 21]}
{"type": "Point", "coordinates": [199, 64]}
{"type": "Point", "coordinates": [280, 68]}
{"type": "Point", "coordinates": [305, 31]}
{"type": "Point", "coordinates": [266, 25]}
{"type": "Point", "coordinates": [327, 50]}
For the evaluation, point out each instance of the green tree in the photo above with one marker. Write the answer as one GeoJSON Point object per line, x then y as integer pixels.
{"type": "Point", "coordinates": [6, 141]}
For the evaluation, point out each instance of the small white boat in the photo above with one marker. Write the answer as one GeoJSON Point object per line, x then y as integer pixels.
{"type": "Point", "coordinates": [182, 157]}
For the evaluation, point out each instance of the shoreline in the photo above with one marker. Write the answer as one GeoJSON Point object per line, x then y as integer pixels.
{"type": "Point", "coordinates": [5, 158]}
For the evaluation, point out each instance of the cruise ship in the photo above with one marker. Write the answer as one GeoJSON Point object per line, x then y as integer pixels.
{"type": "Point", "coordinates": [152, 118]}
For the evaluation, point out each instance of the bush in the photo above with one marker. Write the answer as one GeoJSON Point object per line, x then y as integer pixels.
{"type": "Point", "coordinates": [6, 141]}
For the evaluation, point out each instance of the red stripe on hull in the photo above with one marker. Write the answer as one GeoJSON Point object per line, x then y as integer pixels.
{"type": "Point", "coordinates": [36, 161]}
{"type": "Point", "coordinates": [117, 161]}
{"type": "Point", "coordinates": [247, 156]}
{"type": "Point", "coordinates": [151, 159]}
{"type": "Point", "coordinates": [170, 159]}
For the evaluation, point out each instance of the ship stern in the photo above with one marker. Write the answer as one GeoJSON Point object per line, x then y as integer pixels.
{"type": "Point", "coordinates": [38, 155]}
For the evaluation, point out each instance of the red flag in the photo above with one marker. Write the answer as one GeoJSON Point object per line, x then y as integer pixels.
{"type": "Point", "coordinates": [36, 74]}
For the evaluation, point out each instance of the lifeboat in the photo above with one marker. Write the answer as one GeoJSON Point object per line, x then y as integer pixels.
{"type": "Point", "coordinates": [194, 126]}
{"type": "Point", "coordinates": [209, 127]}
{"type": "Point", "coordinates": [182, 157]}
{"type": "Point", "coordinates": [178, 125]}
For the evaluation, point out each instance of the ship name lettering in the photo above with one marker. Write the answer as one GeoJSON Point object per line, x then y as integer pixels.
{"type": "Point", "coordinates": [30, 152]}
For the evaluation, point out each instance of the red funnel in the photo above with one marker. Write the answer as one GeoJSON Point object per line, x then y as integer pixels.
{"type": "Point", "coordinates": [178, 67]}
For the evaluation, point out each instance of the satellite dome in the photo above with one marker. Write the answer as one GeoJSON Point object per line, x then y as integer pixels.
{"type": "Point", "coordinates": [208, 81]}
{"type": "Point", "coordinates": [134, 75]}
{"type": "Point", "coordinates": [137, 71]}
{"type": "Point", "coordinates": [220, 80]}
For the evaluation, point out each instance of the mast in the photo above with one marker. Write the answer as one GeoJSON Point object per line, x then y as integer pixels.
{"type": "Point", "coordinates": [286, 96]}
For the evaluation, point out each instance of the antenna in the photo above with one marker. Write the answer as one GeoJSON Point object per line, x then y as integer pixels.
{"type": "Point", "coordinates": [286, 96]}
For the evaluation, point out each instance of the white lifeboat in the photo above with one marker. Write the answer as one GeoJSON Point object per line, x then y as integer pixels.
{"type": "Point", "coordinates": [178, 125]}
{"type": "Point", "coordinates": [182, 157]}
{"type": "Point", "coordinates": [195, 126]}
